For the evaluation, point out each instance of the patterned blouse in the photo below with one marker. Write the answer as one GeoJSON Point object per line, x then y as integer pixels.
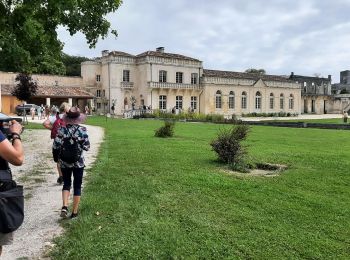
{"type": "Point", "coordinates": [83, 140]}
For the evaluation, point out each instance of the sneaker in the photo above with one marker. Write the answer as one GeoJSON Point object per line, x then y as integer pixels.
{"type": "Point", "coordinates": [60, 180]}
{"type": "Point", "coordinates": [74, 215]}
{"type": "Point", "coordinates": [64, 212]}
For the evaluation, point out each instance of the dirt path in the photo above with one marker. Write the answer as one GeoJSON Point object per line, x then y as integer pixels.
{"type": "Point", "coordinates": [43, 201]}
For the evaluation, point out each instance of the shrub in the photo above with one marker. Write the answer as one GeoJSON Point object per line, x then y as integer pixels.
{"type": "Point", "coordinates": [228, 145]}
{"type": "Point", "coordinates": [167, 130]}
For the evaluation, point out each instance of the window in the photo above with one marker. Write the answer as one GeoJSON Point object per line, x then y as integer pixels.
{"type": "Point", "coordinates": [162, 102]}
{"type": "Point", "coordinates": [313, 106]}
{"type": "Point", "coordinates": [126, 75]}
{"type": "Point", "coordinates": [98, 78]}
{"type": "Point", "coordinates": [98, 105]}
{"type": "Point", "coordinates": [103, 93]}
{"type": "Point", "coordinates": [218, 103]}
{"type": "Point", "coordinates": [272, 101]}
{"type": "Point", "coordinates": [179, 76]}
{"type": "Point", "coordinates": [178, 104]}
{"type": "Point", "coordinates": [291, 101]}
{"type": "Point", "coordinates": [193, 102]}
{"type": "Point", "coordinates": [231, 100]}
{"type": "Point", "coordinates": [281, 101]}
{"type": "Point", "coordinates": [258, 100]}
{"type": "Point", "coordinates": [194, 78]}
{"type": "Point", "coordinates": [162, 76]}
{"type": "Point", "coordinates": [98, 93]}
{"type": "Point", "coordinates": [244, 100]}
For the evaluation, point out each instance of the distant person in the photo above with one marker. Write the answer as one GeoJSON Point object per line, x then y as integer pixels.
{"type": "Point", "coordinates": [47, 112]}
{"type": "Point", "coordinates": [9, 153]}
{"type": "Point", "coordinates": [86, 110]}
{"type": "Point", "coordinates": [38, 111]}
{"type": "Point", "coordinates": [32, 112]}
{"type": "Point", "coordinates": [345, 117]}
{"type": "Point", "coordinates": [69, 144]}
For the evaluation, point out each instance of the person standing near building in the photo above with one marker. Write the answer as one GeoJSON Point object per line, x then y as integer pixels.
{"type": "Point", "coordinates": [13, 154]}
{"type": "Point", "coordinates": [32, 112]}
{"type": "Point", "coordinates": [345, 117]}
{"type": "Point", "coordinates": [71, 161]}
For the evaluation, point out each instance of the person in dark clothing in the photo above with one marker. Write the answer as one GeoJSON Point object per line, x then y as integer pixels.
{"type": "Point", "coordinates": [10, 153]}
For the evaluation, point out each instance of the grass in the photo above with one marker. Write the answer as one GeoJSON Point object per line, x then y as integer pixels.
{"type": "Point", "coordinates": [167, 198]}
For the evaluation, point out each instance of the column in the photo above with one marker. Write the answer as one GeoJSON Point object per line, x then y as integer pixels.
{"type": "Point", "coordinates": [70, 101]}
{"type": "Point", "coordinates": [48, 101]}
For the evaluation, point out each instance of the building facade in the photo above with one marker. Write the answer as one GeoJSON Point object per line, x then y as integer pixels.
{"type": "Point", "coordinates": [316, 96]}
{"type": "Point", "coordinates": [173, 82]}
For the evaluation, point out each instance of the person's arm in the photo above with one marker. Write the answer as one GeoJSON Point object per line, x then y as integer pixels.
{"type": "Point", "coordinates": [13, 153]}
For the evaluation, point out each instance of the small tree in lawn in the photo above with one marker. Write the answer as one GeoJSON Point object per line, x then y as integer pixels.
{"type": "Point", "coordinates": [25, 89]}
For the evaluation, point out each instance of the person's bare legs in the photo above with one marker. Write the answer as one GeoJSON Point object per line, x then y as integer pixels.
{"type": "Point", "coordinates": [76, 201]}
{"type": "Point", "coordinates": [65, 197]}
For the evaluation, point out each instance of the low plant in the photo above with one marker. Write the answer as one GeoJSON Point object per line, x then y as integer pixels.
{"type": "Point", "coordinates": [229, 147]}
{"type": "Point", "coordinates": [167, 130]}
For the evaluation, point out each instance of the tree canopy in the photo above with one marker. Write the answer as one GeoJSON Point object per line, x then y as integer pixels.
{"type": "Point", "coordinates": [256, 71]}
{"type": "Point", "coordinates": [72, 64]}
{"type": "Point", "coordinates": [26, 88]}
{"type": "Point", "coordinates": [28, 37]}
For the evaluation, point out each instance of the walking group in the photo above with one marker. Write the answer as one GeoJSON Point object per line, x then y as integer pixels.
{"type": "Point", "coordinates": [70, 140]}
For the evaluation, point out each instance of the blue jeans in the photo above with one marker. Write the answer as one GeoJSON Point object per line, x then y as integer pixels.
{"type": "Point", "coordinates": [77, 179]}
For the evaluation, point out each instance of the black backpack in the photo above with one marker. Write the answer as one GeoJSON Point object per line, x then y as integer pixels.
{"type": "Point", "coordinates": [70, 152]}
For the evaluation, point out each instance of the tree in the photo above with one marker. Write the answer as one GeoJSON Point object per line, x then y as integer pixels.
{"type": "Point", "coordinates": [256, 71]}
{"type": "Point", "coordinates": [72, 64]}
{"type": "Point", "coordinates": [28, 36]}
{"type": "Point", "coordinates": [25, 89]}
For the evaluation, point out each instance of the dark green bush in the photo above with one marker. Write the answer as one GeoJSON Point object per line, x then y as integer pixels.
{"type": "Point", "coordinates": [167, 130]}
{"type": "Point", "coordinates": [228, 144]}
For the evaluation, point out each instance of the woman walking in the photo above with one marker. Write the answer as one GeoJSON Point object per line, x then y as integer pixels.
{"type": "Point", "coordinates": [69, 144]}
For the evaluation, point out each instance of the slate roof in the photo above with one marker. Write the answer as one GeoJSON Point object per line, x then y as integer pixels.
{"type": "Point", "coordinates": [244, 75]}
{"type": "Point", "coordinates": [52, 91]}
{"type": "Point", "coordinates": [166, 55]}
{"type": "Point", "coordinates": [120, 53]}
{"type": "Point", "coordinates": [308, 78]}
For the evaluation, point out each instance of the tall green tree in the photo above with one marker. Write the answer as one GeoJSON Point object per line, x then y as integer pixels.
{"type": "Point", "coordinates": [72, 64]}
{"type": "Point", "coordinates": [28, 37]}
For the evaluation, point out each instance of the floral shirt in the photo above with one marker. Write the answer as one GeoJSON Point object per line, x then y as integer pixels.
{"type": "Point", "coordinates": [83, 140]}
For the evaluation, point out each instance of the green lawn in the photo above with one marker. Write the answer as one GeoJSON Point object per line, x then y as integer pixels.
{"type": "Point", "coordinates": [167, 198]}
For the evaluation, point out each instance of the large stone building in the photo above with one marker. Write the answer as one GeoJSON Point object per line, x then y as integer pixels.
{"type": "Point", "coordinates": [52, 90]}
{"type": "Point", "coordinates": [168, 82]}
{"type": "Point", "coordinates": [315, 93]}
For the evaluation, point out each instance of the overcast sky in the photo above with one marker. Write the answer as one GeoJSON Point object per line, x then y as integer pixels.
{"type": "Point", "coordinates": [280, 36]}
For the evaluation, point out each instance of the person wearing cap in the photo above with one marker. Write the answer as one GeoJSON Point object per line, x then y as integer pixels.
{"type": "Point", "coordinates": [48, 124]}
{"type": "Point", "coordinates": [10, 153]}
{"type": "Point", "coordinates": [72, 119]}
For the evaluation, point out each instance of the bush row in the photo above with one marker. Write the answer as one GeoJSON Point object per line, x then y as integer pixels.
{"type": "Point", "coordinates": [279, 114]}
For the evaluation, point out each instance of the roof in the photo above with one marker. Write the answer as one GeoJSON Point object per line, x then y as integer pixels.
{"type": "Point", "coordinates": [120, 53]}
{"type": "Point", "coordinates": [166, 55]}
{"type": "Point", "coordinates": [244, 75]}
{"type": "Point", "coordinates": [300, 77]}
{"type": "Point", "coordinates": [52, 91]}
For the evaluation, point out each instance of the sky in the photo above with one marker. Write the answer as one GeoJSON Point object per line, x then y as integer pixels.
{"type": "Point", "coordinates": [307, 37]}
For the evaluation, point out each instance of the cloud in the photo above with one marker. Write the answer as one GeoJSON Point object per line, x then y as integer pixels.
{"type": "Point", "coordinates": [278, 35]}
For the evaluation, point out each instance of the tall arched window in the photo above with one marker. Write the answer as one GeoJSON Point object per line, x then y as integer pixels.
{"type": "Point", "coordinates": [281, 101]}
{"type": "Point", "coordinates": [258, 100]}
{"type": "Point", "coordinates": [291, 101]}
{"type": "Point", "coordinates": [272, 101]}
{"type": "Point", "coordinates": [218, 99]}
{"type": "Point", "coordinates": [231, 100]}
{"type": "Point", "coordinates": [244, 100]}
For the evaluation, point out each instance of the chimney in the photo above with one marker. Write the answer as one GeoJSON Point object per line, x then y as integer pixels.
{"type": "Point", "coordinates": [160, 49]}
{"type": "Point", "coordinates": [105, 53]}
{"type": "Point", "coordinates": [330, 78]}
{"type": "Point", "coordinates": [292, 74]}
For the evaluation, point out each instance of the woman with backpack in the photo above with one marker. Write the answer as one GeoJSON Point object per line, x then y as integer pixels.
{"type": "Point", "coordinates": [69, 144]}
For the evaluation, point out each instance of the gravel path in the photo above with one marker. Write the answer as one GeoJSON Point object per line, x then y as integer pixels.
{"type": "Point", "coordinates": [43, 200]}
